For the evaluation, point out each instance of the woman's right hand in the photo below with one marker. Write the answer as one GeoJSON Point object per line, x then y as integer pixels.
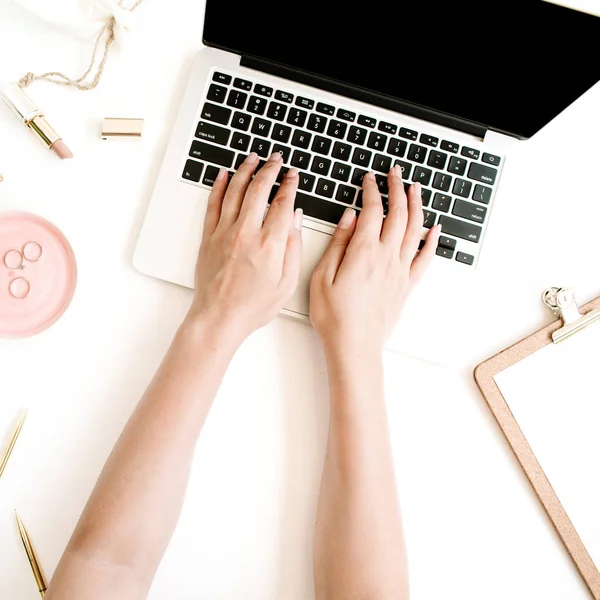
{"type": "Point", "coordinates": [362, 281]}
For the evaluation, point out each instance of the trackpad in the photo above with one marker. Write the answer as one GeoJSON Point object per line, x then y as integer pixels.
{"type": "Point", "coordinates": [314, 244]}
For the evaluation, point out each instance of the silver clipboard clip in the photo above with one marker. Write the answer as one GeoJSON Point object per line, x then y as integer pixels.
{"type": "Point", "coordinates": [561, 301]}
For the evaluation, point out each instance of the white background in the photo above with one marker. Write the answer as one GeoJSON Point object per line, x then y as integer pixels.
{"type": "Point", "coordinates": [474, 527]}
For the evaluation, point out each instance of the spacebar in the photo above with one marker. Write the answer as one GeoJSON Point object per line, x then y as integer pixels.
{"type": "Point", "coordinates": [319, 208]}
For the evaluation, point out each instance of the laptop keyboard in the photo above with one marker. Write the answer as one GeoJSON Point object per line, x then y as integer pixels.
{"type": "Point", "coordinates": [333, 148]}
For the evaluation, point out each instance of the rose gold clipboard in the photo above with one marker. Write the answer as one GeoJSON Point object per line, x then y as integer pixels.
{"type": "Point", "coordinates": [484, 377]}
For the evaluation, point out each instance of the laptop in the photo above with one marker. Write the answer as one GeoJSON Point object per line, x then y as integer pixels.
{"type": "Point", "coordinates": [441, 89]}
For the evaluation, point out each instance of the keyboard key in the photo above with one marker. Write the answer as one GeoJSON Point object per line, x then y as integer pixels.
{"type": "Point", "coordinates": [382, 183]}
{"type": "Point", "coordinates": [449, 146]}
{"type": "Point", "coordinates": [317, 123]}
{"type": "Point", "coordinates": [470, 152]}
{"type": "Point", "coordinates": [428, 218]}
{"type": "Point", "coordinates": [387, 127]}
{"type": "Point", "coordinates": [367, 121]}
{"type": "Point", "coordinates": [491, 159]}
{"type": "Point", "coordinates": [241, 121]}
{"type": "Point", "coordinates": [261, 147]}
{"type": "Point", "coordinates": [297, 117]}
{"type": "Point", "coordinates": [457, 165]}
{"type": "Point", "coordinates": [305, 102]}
{"type": "Point", "coordinates": [341, 171]}
{"type": "Point", "coordinates": [277, 111]}
{"type": "Point", "coordinates": [326, 109]}
{"type": "Point", "coordinates": [263, 90]}
{"type": "Point", "coordinates": [283, 150]}
{"type": "Point", "coordinates": [359, 199]}
{"type": "Point", "coordinates": [409, 134]}
{"type": "Point", "coordinates": [325, 188]}
{"type": "Point", "coordinates": [468, 210]}
{"type": "Point", "coordinates": [422, 175]}
{"type": "Point", "coordinates": [429, 140]}
{"type": "Point", "coordinates": [442, 202]}
{"type": "Point", "coordinates": [382, 163]}
{"type": "Point", "coordinates": [444, 252]}
{"type": "Point", "coordinates": [447, 242]}
{"type": "Point", "coordinates": [346, 115]}
{"type": "Point", "coordinates": [301, 139]}
{"type": "Point", "coordinates": [437, 159]}
{"type": "Point", "coordinates": [357, 135]}
{"type": "Point", "coordinates": [240, 142]}
{"type": "Point", "coordinates": [417, 153]}
{"type": "Point", "coordinates": [321, 145]}
{"type": "Point", "coordinates": [213, 133]}
{"type": "Point", "coordinates": [319, 208]}
{"type": "Point", "coordinates": [218, 114]}
{"type": "Point", "coordinates": [193, 170]}
{"type": "Point", "coordinates": [221, 78]}
{"type": "Point", "coordinates": [461, 229]}
{"type": "Point", "coordinates": [482, 173]}
{"type": "Point", "coordinates": [441, 181]}
{"type": "Point", "coordinates": [300, 159]}
{"type": "Point", "coordinates": [357, 177]}
{"type": "Point", "coordinates": [406, 168]}
{"type": "Point", "coordinates": [216, 93]}
{"type": "Point", "coordinates": [210, 175]}
{"type": "Point", "coordinates": [482, 194]}
{"type": "Point", "coordinates": [320, 166]}
{"type": "Point", "coordinates": [466, 259]}
{"type": "Point", "coordinates": [306, 182]}
{"type": "Point", "coordinates": [341, 151]}
{"type": "Point", "coordinates": [212, 154]}
{"type": "Point", "coordinates": [362, 157]}
{"type": "Point", "coordinates": [345, 194]}
{"type": "Point", "coordinates": [239, 160]}
{"type": "Point", "coordinates": [257, 105]}
{"type": "Point", "coordinates": [261, 127]}
{"type": "Point", "coordinates": [284, 96]}
{"type": "Point", "coordinates": [243, 84]}
{"type": "Point", "coordinates": [462, 188]}
{"type": "Point", "coordinates": [397, 147]}
{"type": "Point", "coordinates": [281, 133]}
{"type": "Point", "coordinates": [281, 174]}
{"type": "Point", "coordinates": [236, 99]}
{"type": "Point", "coordinates": [425, 196]}
{"type": "Point", "coordinates": [337, 129]}
{"type": "Point", "coordinates": [377, 141]}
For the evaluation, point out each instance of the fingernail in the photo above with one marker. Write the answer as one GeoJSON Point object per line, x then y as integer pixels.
{"type": "Point", "coordinates": [251, 158]}
{"type": "Point", "coordinates": [347, 218]}
{"type": "Point", "coordinates": [418, 189]}
{"type": "Point", "coordinates": [293, 172]}
{"type": "Point", "coordinates": [298, 218]}
{"type": "Point", "coordinates": [398, 171]}
{"type": "Point", "coordinates": [370, 175]}
{"type": "Point", "coordinates": [222, 174]}
{"type": "Point", "coordinates": [275, 157]}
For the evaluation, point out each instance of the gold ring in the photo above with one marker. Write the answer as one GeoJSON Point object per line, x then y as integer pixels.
{"type": "Point", "coordinates": [32, 249]}
{"type": "Point", "coordinates": [14, 259]}
{"type": "Point", "coordinates": [19, 295]}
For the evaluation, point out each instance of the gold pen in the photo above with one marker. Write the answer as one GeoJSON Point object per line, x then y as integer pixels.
{"type": "Point", "coordinates": [33, 561]}
{"type": "Point", "coordinates": [11, 444]}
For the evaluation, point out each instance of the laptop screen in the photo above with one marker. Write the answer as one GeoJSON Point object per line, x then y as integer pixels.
{"type": "Point", "coordinates": [510, 66]}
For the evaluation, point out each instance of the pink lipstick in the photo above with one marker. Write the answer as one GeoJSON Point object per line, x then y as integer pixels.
{"type": "Point", "coordinates": [31, 116]}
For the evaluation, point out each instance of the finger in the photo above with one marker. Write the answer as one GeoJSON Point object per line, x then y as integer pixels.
{"type": "Point", "coordinates": [281, 212]}
{"type": "Point", "coordinates": [414, 227]}
{"type": "Point", "coordinates": [334, 254]}
{"type": "Point", "coordinates": [234, 197]}
{"type": "Point", "coordinates": [371, 216]}
{"type": "Point", "coordinates": [257, 197]}
{"type": "Point", "coordinates": [215, 202]}
{"type": "Point", "coordinates": [395, 221]}
{"type": "Point", "coordinates": [421, 262]}
{"type": "Point", "coordinates": [293, 255]}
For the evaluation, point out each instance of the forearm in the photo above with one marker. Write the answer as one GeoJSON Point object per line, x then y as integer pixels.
{"type": "Point", "coordinates": [359, 544]}
{"type": "Point", "coordinates": [135, 505]}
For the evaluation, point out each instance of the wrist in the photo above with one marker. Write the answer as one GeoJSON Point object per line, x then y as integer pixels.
{"type": "Point", "coordinates": [211, 331]}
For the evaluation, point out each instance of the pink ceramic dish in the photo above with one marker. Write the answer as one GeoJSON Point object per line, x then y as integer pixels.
{"type": "Point", "coordinates": [48, 283]}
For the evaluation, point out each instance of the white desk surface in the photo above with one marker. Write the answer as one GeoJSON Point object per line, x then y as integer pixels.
{"type": "Point", "coordinates": [474, 527]}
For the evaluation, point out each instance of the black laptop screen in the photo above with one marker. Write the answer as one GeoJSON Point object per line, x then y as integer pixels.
{"type": "Point", "coordinates": [511, 66]}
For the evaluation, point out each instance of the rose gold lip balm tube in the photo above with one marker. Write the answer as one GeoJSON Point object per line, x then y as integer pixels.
{"type": "Point", "coordinates": [31, 116]}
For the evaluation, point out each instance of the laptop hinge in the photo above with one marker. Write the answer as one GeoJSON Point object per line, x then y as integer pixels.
{"type": "Point", "coordinates": [363, 95]}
